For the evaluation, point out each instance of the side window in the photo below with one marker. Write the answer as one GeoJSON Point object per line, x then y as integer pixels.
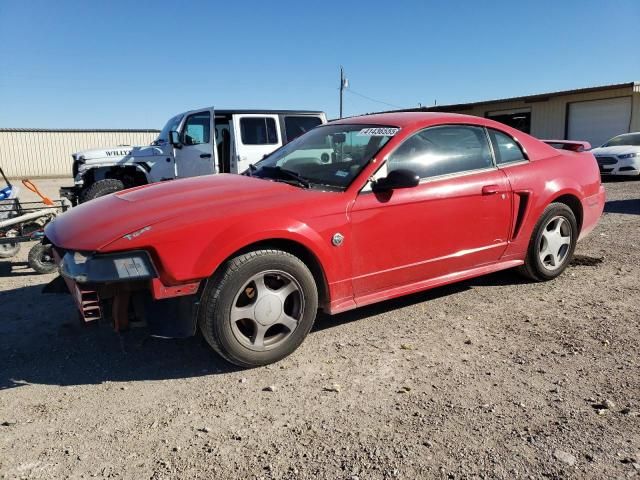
{"type": "Point", "coordinates": [258, 131]}
{"type": "Point", "coordinates": [505, 148]}
{"type": "Point", "coordinates": [197, 129]}
{"type": "Point", "coordinates": [296, 126]}
{"type": "Point", "coordinates": [443, 150]}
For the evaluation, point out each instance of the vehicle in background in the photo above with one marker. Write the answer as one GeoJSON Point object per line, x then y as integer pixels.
{"type": "Point", "coordinates": [25, 221]}
{"type": "Point", "coordinates": [198, 142]}
{"type": "Point", "coordinates": [620, 155]}
{"type": "Point", "coordinates": [354, 212]}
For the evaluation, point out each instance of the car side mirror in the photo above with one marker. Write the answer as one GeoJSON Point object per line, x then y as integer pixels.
{"type": "Point", "coordinates": [174, 139]}
{"type": "Point", "coordinates": [400, 178]}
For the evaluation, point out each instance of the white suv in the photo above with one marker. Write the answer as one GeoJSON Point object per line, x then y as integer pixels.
{"type": "Point", "coordinates": [198, 142]}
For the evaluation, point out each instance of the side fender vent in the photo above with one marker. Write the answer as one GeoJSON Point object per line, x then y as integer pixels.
{"type": "Point", "coordinates": [522, 199]}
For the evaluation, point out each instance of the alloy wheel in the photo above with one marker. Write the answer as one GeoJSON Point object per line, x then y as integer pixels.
{"type": "Point", "coordinates": [555, 243]}
{"type": "Point", "coordinates": [266, 310]}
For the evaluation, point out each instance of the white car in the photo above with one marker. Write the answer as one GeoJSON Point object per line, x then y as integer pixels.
{"type": "Point", "coordinates": [620, 155]}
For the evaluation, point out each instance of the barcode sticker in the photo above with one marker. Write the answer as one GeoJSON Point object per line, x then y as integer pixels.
{"type": "Point", "coordinates": [378, 132]}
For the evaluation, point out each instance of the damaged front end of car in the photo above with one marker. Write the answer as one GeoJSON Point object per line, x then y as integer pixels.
{"type": "Point", "coordinates": [124, 288]}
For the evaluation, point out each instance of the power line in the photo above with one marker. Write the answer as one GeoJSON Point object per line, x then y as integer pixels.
{"type": "Point", "coordinates": [372, 99]}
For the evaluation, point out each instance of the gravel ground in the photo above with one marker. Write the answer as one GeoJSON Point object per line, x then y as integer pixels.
{"type": "Point", "coordinates": [490, 378]}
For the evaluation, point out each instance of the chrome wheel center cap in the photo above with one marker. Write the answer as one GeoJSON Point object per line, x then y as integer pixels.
{"type": "Point", "coordinates": [268, 309]}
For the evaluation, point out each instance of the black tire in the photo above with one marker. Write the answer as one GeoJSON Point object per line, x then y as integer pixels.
{"type": "Point", "coordinates": [8, 250]}
{"type": "Point", "coordinates": [533, 267]}
{"type": "Point", "coordinates": [101, 188]}
{"type": "Point", "coordinates": [221, 295]}
{"type": "Point", "coordinates": [41, 259]}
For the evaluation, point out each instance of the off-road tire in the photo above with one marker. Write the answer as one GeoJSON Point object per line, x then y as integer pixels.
{"type": "Point", "coordinates": [533, 267]}
{"type": "Point", "coordinates": [101, 188]}
{"type": "Point", "coordinates": [41, 259]}
{"type": "Point", "coordinates": [219, 295]}
{"type": "Point", "coordinates": [8, 250]}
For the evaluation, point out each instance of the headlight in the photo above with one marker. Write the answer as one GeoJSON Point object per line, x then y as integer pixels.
{"type": "Point", "coordinates": [114, 267]}
{"type": "Point", "coordinates": [627, 155]}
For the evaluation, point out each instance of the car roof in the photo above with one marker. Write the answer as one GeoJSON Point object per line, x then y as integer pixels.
{"type": "Point", "coordinates": [413, 119]}
{"type": "Point", "coordinates": [230, 111]}
{"type": "Point", "coordinates": [625, 135]}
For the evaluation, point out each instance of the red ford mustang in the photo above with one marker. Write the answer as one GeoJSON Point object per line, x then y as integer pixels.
{"type": "Point", "coordinates": [354, 212]}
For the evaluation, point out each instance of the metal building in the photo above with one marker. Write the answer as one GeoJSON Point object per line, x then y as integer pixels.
{"type": "Point", "coordinates": [32, 153]}
{"type": "Point", "coordinates": [592, 114]}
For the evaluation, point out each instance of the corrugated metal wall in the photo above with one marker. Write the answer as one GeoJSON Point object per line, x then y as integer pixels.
{"type": "Point", "coordinates": [548, 117]}
{"type": "Point", "coordinates": [47, 153]}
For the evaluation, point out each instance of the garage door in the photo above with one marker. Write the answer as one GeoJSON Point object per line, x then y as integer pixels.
{"type": "Point", "coordinates": [596, 121]}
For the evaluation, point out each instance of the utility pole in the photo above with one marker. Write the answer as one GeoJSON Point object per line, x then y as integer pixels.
{"type": "Point", "coordinates": [344, 83]}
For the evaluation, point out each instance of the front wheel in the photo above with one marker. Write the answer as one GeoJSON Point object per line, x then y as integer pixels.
{"type": "Point", "coordinates": [259, 307]}
{"type": "Point", "coordinates": [552, 243]}
{"type": "Point", "coordinates": [102, 188]}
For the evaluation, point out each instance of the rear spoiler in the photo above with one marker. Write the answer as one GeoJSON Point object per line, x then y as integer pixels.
{"type": "Point", "coordinates": [573, 145]}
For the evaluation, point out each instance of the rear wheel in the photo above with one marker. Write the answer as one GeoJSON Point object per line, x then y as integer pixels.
{"type": "Point", "coordinates": [102, 188]}
{"type": "Point", "coordinates": [41, 258]}
{"type": "Point", "coordinates": [552, 243]}
{"type": "Point", "coordinates": [259, 308]}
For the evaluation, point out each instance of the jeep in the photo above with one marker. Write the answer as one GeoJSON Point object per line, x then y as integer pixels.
{"type": "Point", "coordinates": [197, 142]}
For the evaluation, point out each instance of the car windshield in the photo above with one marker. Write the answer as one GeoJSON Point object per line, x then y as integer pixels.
{"type": "Point", "coordinates": [328, 157]}
{"type": "Point", "coordinates": [172, 124]}
{"type": "Point", "coordinates": [627, 139]}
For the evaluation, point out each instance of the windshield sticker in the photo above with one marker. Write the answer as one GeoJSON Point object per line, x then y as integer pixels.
{"type": "Point", "coordinates": [378, 132]}
{"type": "Point", "coordinates": [342, 173]}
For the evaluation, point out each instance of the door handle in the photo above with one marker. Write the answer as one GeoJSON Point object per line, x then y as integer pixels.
{"type": "Point", "coordinates": [205, 155]}
{"type": "Point", "coordinates": [490, 189]}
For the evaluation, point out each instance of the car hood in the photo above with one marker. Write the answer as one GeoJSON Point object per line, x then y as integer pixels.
{"type": "Point", "coordinates": [119, 153]}
{"type": "Point", "coordinates": [618, 150]}
{"type": "Point", "coordinates": [95, 224]}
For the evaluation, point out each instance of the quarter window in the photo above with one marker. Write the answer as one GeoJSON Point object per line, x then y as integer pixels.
{"type": "Point", "coordinates": [197, 129]}
{"type": "Point", "coordinates": [296, 126]}
{"type": "Point", "coordinates": [258, 131]}
{"type": "Point", "coordinates": [506, 148]}
{"type": "Point", "coordinates": [443, 150]}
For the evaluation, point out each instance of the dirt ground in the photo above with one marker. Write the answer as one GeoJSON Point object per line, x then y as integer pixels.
{"type": "Point", "coordinates": [489, 378]}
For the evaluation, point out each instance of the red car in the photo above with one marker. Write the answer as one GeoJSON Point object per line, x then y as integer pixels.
{"type": "Point", "coordinates": [353, 212]}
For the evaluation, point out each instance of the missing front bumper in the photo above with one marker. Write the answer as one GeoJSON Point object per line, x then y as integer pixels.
{"type": "Point", "coordinates": [115, 289]}
{"type": "Point", "coordinates": [126, 303]}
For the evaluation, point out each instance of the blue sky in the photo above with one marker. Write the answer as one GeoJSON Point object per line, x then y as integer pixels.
{"type": "Point", "coordinates": [132, 64]}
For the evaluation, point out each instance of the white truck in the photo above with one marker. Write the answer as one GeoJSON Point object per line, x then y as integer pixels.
{"type": "Point", "coordinates": [197, 142]}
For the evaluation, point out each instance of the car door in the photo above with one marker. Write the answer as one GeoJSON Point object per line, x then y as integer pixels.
{"type": "Point", "coordinates": [196, 155]}
{"type": "Point", "coordinates": [457, 218]}
{"type": "Point", "coordinates": [255, 135]}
